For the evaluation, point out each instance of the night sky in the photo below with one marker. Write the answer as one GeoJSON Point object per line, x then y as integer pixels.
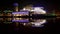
{"type": "Point", "coordinates": [49, 5]}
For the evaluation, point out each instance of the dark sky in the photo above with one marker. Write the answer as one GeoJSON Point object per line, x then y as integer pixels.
{"type": "Point", "coordinates": [50, 4]}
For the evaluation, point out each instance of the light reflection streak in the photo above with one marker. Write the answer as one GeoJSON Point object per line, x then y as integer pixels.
{"type": "Point", "coordinates": [35, 23]}
{"type": "Point", "coordinates": [38, 23]}
{"type": "Point", "coordinates": [20, 20]}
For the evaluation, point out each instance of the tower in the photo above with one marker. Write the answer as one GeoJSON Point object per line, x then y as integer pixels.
{"type": "Point", "coordinates": [15, 7]}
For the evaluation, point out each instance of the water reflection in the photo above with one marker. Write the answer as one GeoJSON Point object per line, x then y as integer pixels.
{"type": "Point", "coordinates": [18, 24]}
{"type": "Point", "coordinates": [20, 20]}
{"type": "Point", "coordinates": [29, 21]}
{"type": "Point", "coordinates": [38, 22]}
{"type": "Point", "coordinates": [24, 21]}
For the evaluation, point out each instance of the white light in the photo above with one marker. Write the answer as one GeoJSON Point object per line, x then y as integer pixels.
{"type": "Point", "coordinates": [43, 22]}
{"type": "Point", "coordinates": [20, 15]}
{"type": "Point", "coordinates": [24, 9]}
{"type": "Point", "coordinates": [17, 18]}
{"type": "Point", "coordinates": [39, 23]}
{"type": "Point", "coordinates": [24, 24]}
{"type": "Point", "coordinates": [17, 14]}
{"type": "Point", "coordinates": [38, 10]}
{"type": "Point", "coordinates": [31, 10]}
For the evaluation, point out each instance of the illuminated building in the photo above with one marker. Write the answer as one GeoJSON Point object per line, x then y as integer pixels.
{"type": "Point", "coordinates": [7, 12]}
{"type": "Point", "coordinates": [36, 10]}
{"type": "Point", "coordinates": [26, 11]}
{"type": "Point", "coordinates": [21, 13]}
{"type": "Point", "coordinates": [8, 19]}
{"type": "Point", "coordinates": [15, 7]}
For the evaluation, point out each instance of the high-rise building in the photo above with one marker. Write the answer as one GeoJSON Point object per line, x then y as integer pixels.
{"type": "Point", "coordinates": [15, 7]}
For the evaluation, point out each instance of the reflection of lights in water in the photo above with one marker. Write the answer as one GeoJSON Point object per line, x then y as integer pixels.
{"type": "Point", "coordinates": [38, 23]}
{"type": "Point", "coordinates": [9, 14]}
{"type": "Point", "coordinates": [14, 19]}
{"type": "Point", "coordinates": [1, 19]}
{"type": "Point", "coordinates": [17, 18]}
{"type": "Point", "coordinates": [7, 22]}
{"type": "Point", "coordinates": [20, 20]}
{"type": "Point", "coordinates": [17, 24]}
{"type": "Point", "coordinates": [24, 24]}
{"type": "Point", "coordinates": [9, 18]}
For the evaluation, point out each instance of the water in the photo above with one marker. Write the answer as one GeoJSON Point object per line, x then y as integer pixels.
{"type": "Point", "coordinates": [29, 24]}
